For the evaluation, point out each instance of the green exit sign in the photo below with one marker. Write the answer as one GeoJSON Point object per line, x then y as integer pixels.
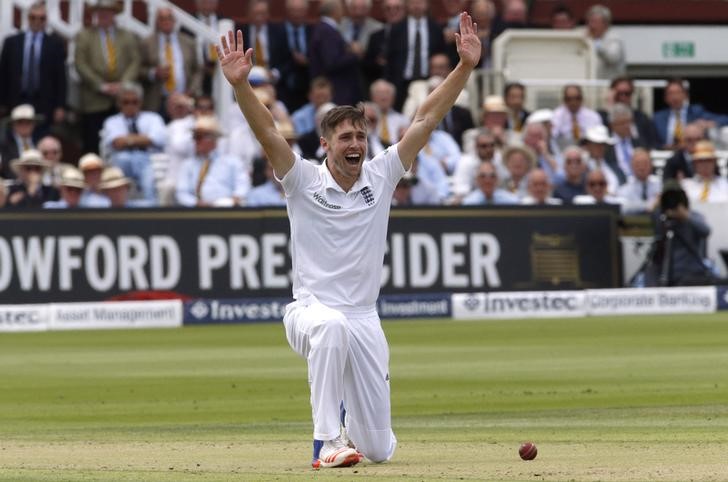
{"type": "Point", "coordinates": [678, 50]}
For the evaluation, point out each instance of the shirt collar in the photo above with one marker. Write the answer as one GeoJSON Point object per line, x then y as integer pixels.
{"type": "Point", "coordinates": [330, 21]}
{"type": "Point", "coordinates": [330, 182]}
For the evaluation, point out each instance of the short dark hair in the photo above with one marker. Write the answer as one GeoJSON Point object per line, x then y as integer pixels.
{"type": "Point", "coordinates": [619, 79]}
{"type": "Point", "coordinates": [676, 81]}
{"type": "Point", "coordinates": [513, 85]}
{"type": "Point", "coordinates": [341, 113]}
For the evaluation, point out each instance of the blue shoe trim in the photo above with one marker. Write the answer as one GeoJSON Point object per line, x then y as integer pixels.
{"type": "Point", "coordinates": [342, 414]}
{"type": "Point", "coordinates": [317, 444]}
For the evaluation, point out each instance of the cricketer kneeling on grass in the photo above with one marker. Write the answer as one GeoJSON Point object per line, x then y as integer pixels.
{"type": "Point", "coordinates": [339, 213]}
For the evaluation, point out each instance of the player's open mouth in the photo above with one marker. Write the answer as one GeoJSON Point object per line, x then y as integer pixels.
{"type": "Point", "coordinates": [353, 159]}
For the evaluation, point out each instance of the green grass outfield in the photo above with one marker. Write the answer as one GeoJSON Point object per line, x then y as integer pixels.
{"type": "Point", "coordinates": [631, 398]}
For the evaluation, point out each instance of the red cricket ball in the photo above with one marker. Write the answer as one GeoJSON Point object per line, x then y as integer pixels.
{"type": "Point", "coordinates": [528, 451]}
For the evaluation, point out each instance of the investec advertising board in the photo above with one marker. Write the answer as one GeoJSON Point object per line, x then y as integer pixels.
{"type": "Point", "coordinates": [89, 255]}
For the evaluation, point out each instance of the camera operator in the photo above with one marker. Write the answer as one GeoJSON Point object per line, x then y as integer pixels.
{"type": "Point", "coordinates": [679, 249]}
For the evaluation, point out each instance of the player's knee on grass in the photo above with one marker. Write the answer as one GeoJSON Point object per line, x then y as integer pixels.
{"type": "Point", "coordinates": [379, 446]}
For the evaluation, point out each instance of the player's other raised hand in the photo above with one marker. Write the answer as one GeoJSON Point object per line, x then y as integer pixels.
{"type": "Point", "coordinates": [467, 41]}
{"type": "Point", "coordinates": [234, 60]}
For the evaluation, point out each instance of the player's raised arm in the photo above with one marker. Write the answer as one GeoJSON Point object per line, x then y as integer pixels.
{"type": "Point", "coordinates": [236, 63]}
{"type": "Point", "coordinates": [441, 100]}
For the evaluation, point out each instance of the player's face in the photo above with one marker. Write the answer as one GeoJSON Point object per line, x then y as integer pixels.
{"type": "Point", "coordinates": [346, 151]}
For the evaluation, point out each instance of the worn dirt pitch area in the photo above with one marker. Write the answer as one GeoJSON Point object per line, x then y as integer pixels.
{"type": "Point", "coordinates": [605, 399]}
{"type": "Point", "coordinates": [414, 461]}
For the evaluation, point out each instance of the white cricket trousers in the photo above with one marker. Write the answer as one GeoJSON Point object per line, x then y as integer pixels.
{"type": "Point", "coordinates": [348, 359]}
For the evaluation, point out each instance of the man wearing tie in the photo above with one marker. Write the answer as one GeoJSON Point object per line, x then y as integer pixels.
{"type": "Point", "coordinates": [131, 136]}
{"type": "Point", "coordinates": [671, 121]}
{"type": "Point", "coordinates": [169, 64]}
{"type": "Point", "coordinates": [571, 119]}
{"type": "Point", "coordinates": [706, 186]}
{"type": "Point", "coordinates": [268, 39]}
{"type": "Point", "coordinates": [639, 194]}
{"type": "Point", "coordinates": [106, 56]}
{"type": "Point", "coordinates": [18, 139]}
{"type": "Point", "coordinates": [625, 141]}
{"type": "Point", "coordinates": [32, 66]}
{"type": "Point", "coordinates": [294, 82]}
{"type": "Point", "coordinates": [411, 43]}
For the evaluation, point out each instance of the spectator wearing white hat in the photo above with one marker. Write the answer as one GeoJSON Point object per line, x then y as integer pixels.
{"type": "Point", "coordinates": [545, 117]}
{"type": "Point", "coordinates": [494, 117]}
{"type": "Point", "coordinates": [116, 186]}
{"type": "Point", "coordinates": [211, 178]}
{"type": "Point", "coordinates": [71, 186]}
{"type": "Point", "coordinates": [28, 190]}
{"type": "Point", "coordinates": [19, 138]}
{"type": "Point", "coordinates": [91, 166]}
{"type": "Point", "coordinates": [596, 142]}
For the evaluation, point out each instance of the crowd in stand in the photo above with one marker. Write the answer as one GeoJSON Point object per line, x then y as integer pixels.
{"type": "Point", "coordinates": [145, 134]}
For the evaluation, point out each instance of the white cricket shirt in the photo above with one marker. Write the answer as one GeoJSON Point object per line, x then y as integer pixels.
{"type": "Point", "coordinates": [338, 238]}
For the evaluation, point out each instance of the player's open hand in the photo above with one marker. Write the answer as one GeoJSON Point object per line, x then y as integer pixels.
{"type": "Point", "coordinates": [234, 60]}
{"type": "Point", "coordinates": [467, 41]}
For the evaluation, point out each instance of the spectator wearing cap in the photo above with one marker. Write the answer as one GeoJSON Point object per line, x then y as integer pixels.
{"type": "Point", "coordinates": [105, 57]}
{"type": "Point", "coordinates": [574, 181]}
{"type": "Point", "coordinates": [169, 63]}
{"type": "Point", "coordinates": [465, 174]}
{"type": "Point", "coordinates": [596, 190]}
{"type": "Point", "coordinates": [132, 136]}
{"type": "Point", "coordinates": [705, 186]}
{"type": "Point", "coordinates": [391, 122]}
{"type": "Point", "coordinates": [28, 190]}
{"type": "Point", "coordinates": [596, 142]}
{"type": "Point", "coordinates": [487, 190]}
{"type": "Point", "coordinates": [71, 186]}
{"type": "Point", "coordinates": [20, 137]}
{"type": "Point", "coordinates": [211, 178]}
{"type": "Point", "coordinates": [91, 166]}
{"type": "Point", "coordinates": [539, 190]}
{"type": "Point", "coordinates": [571, 119]}
{"type": "Point", "coordinates": [116, 186]}
{"type": "Point", "coordinates": [642, 189]}
{"type": "Point", "coordinates": [519, 160]}
{"type": "Point", "coordinates": [33, 69]}
{"type": "Point", "coordinates": [51, 150]}
{"type": "Point", "coordinates": [319, 93]}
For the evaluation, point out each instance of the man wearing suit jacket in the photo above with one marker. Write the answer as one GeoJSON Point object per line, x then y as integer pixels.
{"type": "Point", "coordinates": [680, 165]}
{"type": "Point", "coordinates": [330, 56]}
{"type": "Point", "coordinates": [514, 95]}
{"type": "Point", "coordinates": [670, 122]}
{"type": "Point", "coordinates": [169, 64]}
{"type": "Point", "coordinates": [268, 40]}
{"type": "Point", "coordinates": [294, 83]}
{"type": "Point", "coordinates": [624, 141]}
{"type": "Point", "coordinates": [411, 43]}
{"type": "Point", "coordinates": [20, 137]}
{"type": "Point", "coordinates": [106, 56]}
{"type": "Point", "coordinates": [33, 69]}
{"type": "Point", "coordinates": [375, 57]}
{"type": "Point", "coordinates": [621, 90]}
{"type": "Point", "coordinates": [206, 12]}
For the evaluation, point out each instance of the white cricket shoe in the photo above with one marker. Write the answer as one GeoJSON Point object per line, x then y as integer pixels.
{"type": "Point", "coordinates": [335, 453]}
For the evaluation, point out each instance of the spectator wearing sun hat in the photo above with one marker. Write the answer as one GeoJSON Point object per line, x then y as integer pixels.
{"type": "Point", "coordinates": [71, 186]}
{"type": "Point", "coordinates": [91, 166]}
{"type": "Point", "coordinates": [19, 138]}
{"type": "Point", "coordinates": [211, 178]}
{"type": "Point", "coordinates": [28, 190]}
{"type": "Point", "coordinates": [705, 186]}
{"type": "Point", "coordinates": [116, 186]}
{"type": "Point", "coordinates": [596, 141]}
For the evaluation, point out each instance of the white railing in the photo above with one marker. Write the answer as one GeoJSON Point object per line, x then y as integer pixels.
{"type": "Point", "coordinates": [70, 26]}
